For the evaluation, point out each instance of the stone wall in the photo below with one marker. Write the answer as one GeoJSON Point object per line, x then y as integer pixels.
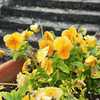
{"type": "Point", "coordinates": [51, 14]}
{"type": "Point", "coordinates": [6, 2]}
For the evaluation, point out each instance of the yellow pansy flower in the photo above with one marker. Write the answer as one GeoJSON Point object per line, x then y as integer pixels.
{"type": "Point", "coordinates": [46, 64]}
{"type": "Point", "coordinates": [14, 40]}
{"type": "Point", "coordinates": [84, 48]}
{"type": "Point", "coordinates": [27, 34]}
{"type": "Point", "coordinates": [78, 71]}
{"type": "Point", "coordinates": [26, 64]}
{"type": "Point", "coordinates": [49, 92]}
{"type": "Point", "coordinates": [63, 47]}
{"type": "Point", "coordinates": [46, 43]}
{"type": "Point", "coordinates": [91, 61]}
{"type": "Point", "coordinates": [64, 53]}
{"type": "Point", "coordinates": [70, 33]}
{"type": "Point", "coordinates": [35, 28]}
{"type": "Point", "coordinates": [80, 40]}
{"type": "Point", "coordinates": [27, 97]}
{"type": "Point", "coordinates": [42, 53]}
{"type": "Point", "coordinates": [2, 53]}
{"type": "Point", "coordinates": [48, 35]}
{"type": "Point", "coordinates": [61, 42]}
{"type": "Point", "coordinates": [47, 40]}
{"type": "Point", "coordinates": [91, 41]}
{"type": "Point", "coordinates": [43, 43]}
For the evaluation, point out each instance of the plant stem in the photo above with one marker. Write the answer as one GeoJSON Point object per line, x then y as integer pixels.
{"type": "Point", "coordinates": [13, 84]}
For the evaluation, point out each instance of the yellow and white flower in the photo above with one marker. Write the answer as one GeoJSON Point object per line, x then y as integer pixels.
{"type": "Point", "coordinates": [90, 41]}
{"type": "Point", "coordinates": [21, 79]}
{"type": "Point", "coordinates": [35, 28]}
{"type": "Point", "coordinates": [27, 34]}
{"type": "Point", "coordinates": [26, 64]}
{"type": "Point", "coordinates": [49, 92]}
{"type": "Point", "coordinates": [41, 54]}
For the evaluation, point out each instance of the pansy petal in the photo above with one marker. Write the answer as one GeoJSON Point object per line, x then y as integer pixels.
{"type": "Point", "coordinates": [64, 54]}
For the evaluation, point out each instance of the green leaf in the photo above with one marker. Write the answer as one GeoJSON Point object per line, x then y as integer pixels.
{"type": "Point", "coordinates": [78, 64]}
{"type": "Point", "coordinates": [41, 72]}
{"type": "Point", "coordinates": [15, 95]}
{"type": "Point", "coordinates": [11, 96]}
{"type": "Point", "coordinates": [22, 90]}
{"type": "Point", "coordinates": [63, 67]}
{"type": "Point", "coordinates": [98, 91]}
{"type": "Point", "coordinates": [59, 64]}
{"type": "Point", "coordinates": [93, 51]}
{"type": "Point", "coordinates": [54, 78]}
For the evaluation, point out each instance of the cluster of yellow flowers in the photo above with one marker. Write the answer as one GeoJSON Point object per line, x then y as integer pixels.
{"type": "Point", "coordinates": [13, 41]}
{"type": "Point", "coordinates": [50, 44]}
{"type": "Point", "coordinates": [62, 46]}
{"type": "Point", "coordinates": [53, 46]}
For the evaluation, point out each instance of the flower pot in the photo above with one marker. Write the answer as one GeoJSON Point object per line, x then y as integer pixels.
{"type": "Point", "coordinates": [10, 69]}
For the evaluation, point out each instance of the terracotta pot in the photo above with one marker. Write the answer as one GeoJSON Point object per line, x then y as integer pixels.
{"type": "Point", "coordinates": [10, 69]}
